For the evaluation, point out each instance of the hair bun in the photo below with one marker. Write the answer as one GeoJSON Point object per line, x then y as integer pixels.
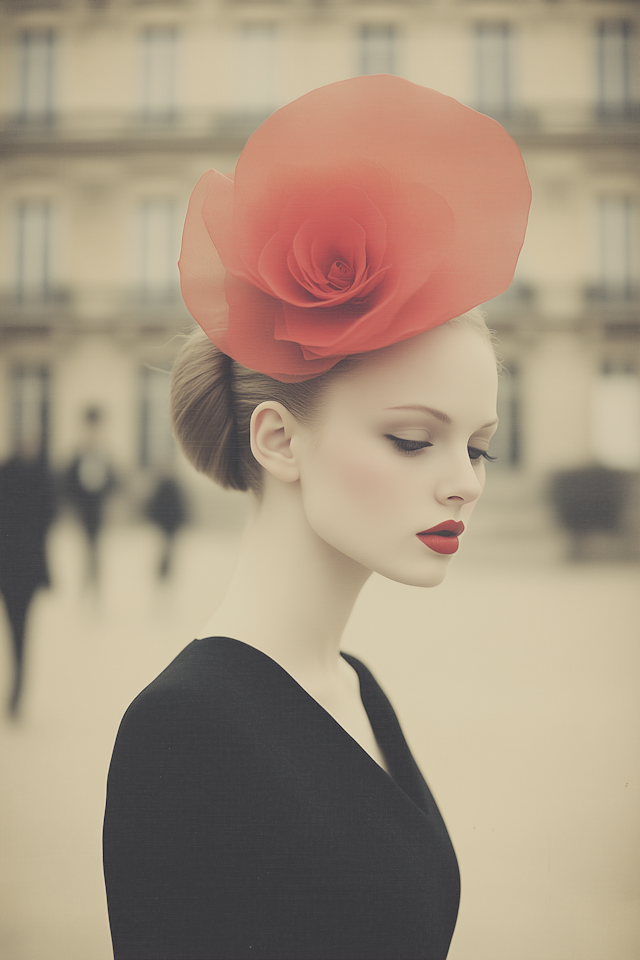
{"type": "Point", "coordinates": [203, 411]}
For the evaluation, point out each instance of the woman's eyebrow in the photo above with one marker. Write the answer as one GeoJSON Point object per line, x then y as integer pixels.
{"type": "Point", "coordinates": [438, 414]}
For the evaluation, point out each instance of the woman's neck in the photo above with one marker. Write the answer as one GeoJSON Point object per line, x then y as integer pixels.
{"type": "Point", "coordinates": [291, 593]}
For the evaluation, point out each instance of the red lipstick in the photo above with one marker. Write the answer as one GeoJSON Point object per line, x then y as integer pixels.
{"type": "Point", "coordinates": [443, 538]}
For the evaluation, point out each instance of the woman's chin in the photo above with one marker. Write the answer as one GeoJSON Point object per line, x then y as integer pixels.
{"type": "Point", "coordinates": [431, 573]}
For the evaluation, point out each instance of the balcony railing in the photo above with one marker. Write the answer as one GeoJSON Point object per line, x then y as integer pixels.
{"type": "Point", "coordinates": [516, 302]}
{"type": "Point", "coordinates": [91, 130]}
{"type": "Point", "coordinates": [614, 294]}
{"type": "Point", "coordinates": [613, 304]}
{"type": "Point", "coordinates": [122, 129]}
{"type": "Point", "coordinates": [34, 4]}
{"type": "Point", "coordinates": [88, 308]}
{"type": "Point", "coordinates": [35, 308]}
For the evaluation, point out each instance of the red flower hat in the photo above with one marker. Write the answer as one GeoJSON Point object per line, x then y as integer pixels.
{"type": "Point", "coordinates": [364, 213]}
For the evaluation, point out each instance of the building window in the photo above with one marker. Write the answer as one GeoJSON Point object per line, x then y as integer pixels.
{"type": "Point", "coordinates": [33, 250]}
{"type": "Point", "coordinates": [617, 248]}
{"type": "Point", "coordinates": [30, 409]}
{"type": "Point", "coordinates": [158, 62]}
{"type": "Point", "coordinates": [158, 249]}
{"type": "Point", "coordinates": [493, 56]}
{"type": "Point", "coordinates": [506, 444]}
{"type": "Point", "coordinates": [615, 418]}
{"type": "Point", "coordinates": [614, 67]}
{"type": "Point", "coordinates": [156, 441]}
{"type": "Point", "coordinates": [377, 49]}
{"type": "Point", "coordinates": [258, 63]}
{"type": "Point", "coordinates": [36, 66]}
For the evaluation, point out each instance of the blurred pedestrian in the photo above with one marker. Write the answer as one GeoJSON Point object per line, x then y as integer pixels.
{"type": "Point", "coordinates": [89, 481]}
{"type": "Point", "coordinates": [166, 507]}
{"type": "Point", "coordinates": [27, 509]}
{"type": "Point", "coordinates": [587, 500]}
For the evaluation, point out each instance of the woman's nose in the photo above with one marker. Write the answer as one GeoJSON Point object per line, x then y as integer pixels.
{"type": "Point", "coordinates": [461, 482]}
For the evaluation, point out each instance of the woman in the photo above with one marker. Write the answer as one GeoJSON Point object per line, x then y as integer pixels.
{"type": "Point", "coordinates": [262, 800]}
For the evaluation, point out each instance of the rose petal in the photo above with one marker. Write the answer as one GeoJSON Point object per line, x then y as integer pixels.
{"type": "Point", "coordinates": [327, 326]}
{"type": "Point", "coordinates": [358, 206]}
{"type": "Point", "coordinates": [427, 222]}
{"type": "Point", "coordinates": [329, 245]}
{"type": "Point", "coordinates": [318, 243]}
{"type": "Point", "coordinates": [324, 218]}
{"type": "Point", "coordinates": [341, 274]}
{"type": "Point", "coordinates": [254, 344]}
{"type": "Point", "coordinates": [201, 270]}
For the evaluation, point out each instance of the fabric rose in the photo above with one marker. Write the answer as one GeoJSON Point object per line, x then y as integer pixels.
{"type": "Point", "coordinates": [361, 214]}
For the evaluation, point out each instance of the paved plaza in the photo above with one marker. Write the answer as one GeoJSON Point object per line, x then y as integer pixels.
{"type": "Point", "coordinates": [517, 684]}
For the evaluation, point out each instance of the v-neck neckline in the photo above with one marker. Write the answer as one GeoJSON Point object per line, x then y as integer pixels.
{"type": "Point", "coordinates": [396, 744]}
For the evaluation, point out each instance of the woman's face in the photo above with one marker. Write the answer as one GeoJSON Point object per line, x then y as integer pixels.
{"type": "Point", "coordinates": [399, 452]}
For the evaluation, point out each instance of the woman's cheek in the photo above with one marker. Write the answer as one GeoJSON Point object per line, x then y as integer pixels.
{"type": "Point", "coordinates": [363, 476]}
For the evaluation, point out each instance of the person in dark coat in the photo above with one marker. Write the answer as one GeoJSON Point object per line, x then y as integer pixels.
{"type": "Point", "coordinates": [166, 508]}
{"type": "Point", "coordinates": [89, 481]}
{"type": "Point", "coordinates": [27, 509]}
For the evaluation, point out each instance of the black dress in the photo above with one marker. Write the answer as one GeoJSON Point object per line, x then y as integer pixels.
{"type": "Point", "coordinates": [243, 821]}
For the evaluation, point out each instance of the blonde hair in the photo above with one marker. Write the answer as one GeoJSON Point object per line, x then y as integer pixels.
{"type": "Point", "coordinates": [213, 398]}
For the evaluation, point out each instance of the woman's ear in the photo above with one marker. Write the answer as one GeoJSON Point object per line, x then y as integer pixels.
{"type": "Point", "coordinates": [272, 427]}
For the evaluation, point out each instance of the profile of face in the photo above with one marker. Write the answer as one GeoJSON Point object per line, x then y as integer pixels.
{"type": "Point", "coordinates": [399, 451]}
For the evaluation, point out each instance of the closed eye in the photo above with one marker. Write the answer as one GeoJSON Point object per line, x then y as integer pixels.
{"type": "Point", "coordinates": [409, 447]}
{"type": "Point", "coordinates": [475, 453]}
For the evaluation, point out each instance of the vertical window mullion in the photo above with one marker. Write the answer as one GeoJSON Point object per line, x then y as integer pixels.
{"type": "Point", "coordinates": [493, 67]}
{"type": "Point", "coordinates": [616, 246]}
{"type": "Point", "coordinates": [144, 418]}
{"type": "Point", "coordinates": [156, 440]}
{"type": "Point", "coordinates": [50, 74]}
{"type": "Point", "coordinates": [258, 64]}
{"type": "Point", "coordinates": [378, 53]}
{"type": "Point", "coordinates": [20, 249]}
{"type": "Point", "coordinates": [615, 418]}
{"type": "Point", "coordinates": [158, 254]}
{"type": "Point", "coordinates": [507, 442]}
{"type": "Point", "coordinates": [145, 54]}
{"type": "Point", "coordinates": [36, 75]}
{"type": "Point", "coordinates": [158, 54]}
{"type": "Point", "coordinates": [46, 250]}
{"type": "Point", "coordinates": [627, 246]}
{"type": "Point", "coordinates": [33, 249]}
{"type": "Point", "coordinates": [46, 69]}
{"type": "Point", "coordinates": [613, 63]}
{"type": "Point", "coordinates": [30, 407]}
{"type": "Point", "coordinates": [24, 55]}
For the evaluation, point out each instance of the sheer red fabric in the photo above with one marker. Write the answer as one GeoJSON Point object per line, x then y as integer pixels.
{"type": "Point", "coordinates": [361, 214]}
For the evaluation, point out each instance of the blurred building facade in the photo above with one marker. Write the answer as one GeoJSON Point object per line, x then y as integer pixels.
{"type": "Point", "coordinates": [110, 110]}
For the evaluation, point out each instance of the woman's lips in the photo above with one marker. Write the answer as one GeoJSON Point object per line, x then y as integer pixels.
{"type": "Point", "coordinates": [443, 538]}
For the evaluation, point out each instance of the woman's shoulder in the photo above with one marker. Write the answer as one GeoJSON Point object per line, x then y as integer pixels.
{"type": "Point", "coordinates": [199, 714]}
{"type": "Point", "coordinates": [199, 664]}
{"type": "Point", "coordinates": [205, 682]}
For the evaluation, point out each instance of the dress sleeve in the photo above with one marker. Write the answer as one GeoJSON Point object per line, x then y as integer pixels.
{"type": "Point", "coordinates": [168, 835]}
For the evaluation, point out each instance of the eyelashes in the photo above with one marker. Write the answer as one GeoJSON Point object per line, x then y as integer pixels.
{"type": "Point", "coordinates": [475, 453]}
{"type": "Point", "coordinates": [413, 447]}
{"type": "Point", "coordinates": [408, 446]}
